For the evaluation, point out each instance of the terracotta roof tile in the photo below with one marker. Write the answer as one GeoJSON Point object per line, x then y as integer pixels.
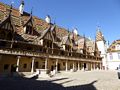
{"type": "Point", "coordinates": [40, 27]}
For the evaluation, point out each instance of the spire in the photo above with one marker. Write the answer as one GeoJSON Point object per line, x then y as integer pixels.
{"type": "Point", "coordinates": [98, 28]}
{"type": "Point", "coordinates": [84, 40]}
{"type": "Point", "coordinates": [108, 43]}
{"type": "Point", "coordinates": [68, 32]}
{"type": "Point", "coordinates": [99, 35]}
{"type": "Point", "coordinates": [10, 10]}
{"type": "Point", "coordinates": [84, 46]}
{"type": "Point", "coordinates": [21, 8]}
{"type": "Point", "coordinates": [31, 12]}
{"type": "Point", "coordinates": [69, 35]}
{"type": "Point", "coordinates": [95, 49]}
{"type": "Point", "coordinates": [22, 2]}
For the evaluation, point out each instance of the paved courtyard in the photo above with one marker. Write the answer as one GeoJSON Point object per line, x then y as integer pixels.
{"type": "Point", "coordinates": [88, 80]}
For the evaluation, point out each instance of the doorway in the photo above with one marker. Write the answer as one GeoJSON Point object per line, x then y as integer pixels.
{"type": "Point", "coordinates": [84, 66]}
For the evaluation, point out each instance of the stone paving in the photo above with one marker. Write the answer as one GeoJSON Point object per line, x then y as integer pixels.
{"type": "Point", "coordinates": [88, 80]}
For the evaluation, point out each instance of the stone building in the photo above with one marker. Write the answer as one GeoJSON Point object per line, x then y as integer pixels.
{"type": "Point", "coordinates": [28, 43]}
{"type": "Point", "coordinates": [113, 55]}
{"type": "Point", "coordinates": [102, 47]}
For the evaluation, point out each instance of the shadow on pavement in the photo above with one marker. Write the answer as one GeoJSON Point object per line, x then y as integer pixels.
{"type": "Point", "coordinates": [33, 84]}
{"type": "Point", "coordinates": [118, 74]}
{"type": "Point", "coordinates": [89, 86]}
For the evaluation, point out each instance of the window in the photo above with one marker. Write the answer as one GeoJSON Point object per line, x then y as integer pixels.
{"type": "Point", "coordinates": [25, 66]}
{"type": "Point", "coordinates": [111, 56]}
{"type": "Point", "coordinates": [118, 55]}
{"type": "Point", "coordinates": [6, 66]}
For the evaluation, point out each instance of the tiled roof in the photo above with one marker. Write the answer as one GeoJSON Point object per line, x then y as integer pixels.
{"type": "Point", "coordinates": [41, 27]}
{"type": "Point", "coordinates": [29, 37]}
{"type": "Point", "coordinates": [115, 46]}
{"type": "Point", "coordinates": [99, 35]}
{"type": "Point", "coordinates": [18, 20]}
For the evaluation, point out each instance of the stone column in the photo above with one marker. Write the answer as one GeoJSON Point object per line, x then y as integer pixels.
{"type": "Point", "coordinates": [101, 66]}
{"type": "Point", "coordinates": [82, 66]}
{"type": "Point", "coordinates": [66, 65]}
{"type": "Point", "coordinates": [46, 63]}
{"type": "Point", "coordinates": [33, 60]}
{"type": "Point", "coordinates": [18, 62]}
{"type": "Point", "coordinates": [78, 65]}
{"type": "Point", "coordinates": [56, 66]}
{"type": "Point", "coordinates": [87, 65]}
{"type": "Point", "coordinates": [91, 66]}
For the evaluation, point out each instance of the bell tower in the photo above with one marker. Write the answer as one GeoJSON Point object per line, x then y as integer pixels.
{"type": "Point", "coordinates": [101, 44]}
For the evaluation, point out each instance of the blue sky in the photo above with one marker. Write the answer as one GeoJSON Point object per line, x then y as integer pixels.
{"type": "Point", "coordinates": [85, 15]}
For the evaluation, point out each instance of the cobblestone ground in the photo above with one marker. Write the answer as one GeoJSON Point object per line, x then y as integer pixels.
{"type": "Point", "coordinates": [97, 80]}
{"type": "Point", "coordinates": [88, 80]}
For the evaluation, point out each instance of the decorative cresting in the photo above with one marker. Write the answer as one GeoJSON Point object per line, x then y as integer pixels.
{"type": "Point", "coordinates": [99, 35]}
